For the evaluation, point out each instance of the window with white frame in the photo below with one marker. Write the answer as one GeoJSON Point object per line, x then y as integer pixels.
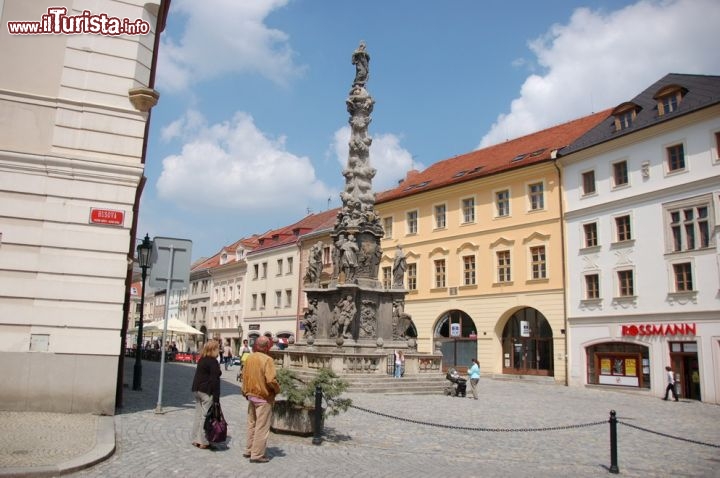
{"type": "Point", "coordinates": [503, 266]}
{"type": "Point", "coordinates": [256, 271]}
{"type": "Point", "coordinates": [468, 210]}
{"type": "Point", "coordinates": [254, 301]}
{"type": "Point", "coordinates": [536, 196]}
{"type": "Point", "coordinates": [278, 299]}
{"type": "Point", "coordinates": [440, 212]}
{"type": "Point", "coordinates": [592, 286]}
{"type": "Point", "coordinates": [620, 174]}
{"type": "Point", "coordinates": [263, 300]}
{"type": "Point", "coordinates": [690, 224]}
{"type": "Point", "coordinates": [468, 270]}
{"type": "Point", "coordinates": [588, 182]}
{"type": "Point", "coordinates": [264, 270]}
{"type": "Point", "coordinates": [675, 156]}
{"type": "Point", "coordinates": [538, 262]}
{"type": "Point", "coordinates": [412, 222]}
{"type": "Point", "coordinates": [590, 234]}
{"type": "Point", "coordinates": [440, 273]}
{"type": "Point", "coordinates": [682, 273]}
{"type": "Point", "coordinates": [623, 230]}
{"type": "Point", "coordinates": [289, 261]}
{"type": "Point", "coordinates": [386, 277]}
{"type": "Point", "coordinates": [279, 267]}
{"type": "Point", "coordinates": [625, 283]}
{"type": "Point", "coordinates": [412, 276]}
{"type": "Point", "coordinates": [388, 227]}
{"type": "Point", "coordinates": [326, 256]}
{"type": "Point", "coordinates": [502, 203]}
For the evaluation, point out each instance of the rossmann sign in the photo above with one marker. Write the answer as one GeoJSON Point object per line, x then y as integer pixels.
{"type": "Point", "coordinates": [658, 329]}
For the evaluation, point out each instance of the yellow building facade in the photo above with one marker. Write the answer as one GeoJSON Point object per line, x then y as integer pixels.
{"type": "Point", "coordinates": [481, 234]}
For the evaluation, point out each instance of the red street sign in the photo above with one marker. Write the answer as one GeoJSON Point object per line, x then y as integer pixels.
{"type": "Point", "coordinates": [107, 216]}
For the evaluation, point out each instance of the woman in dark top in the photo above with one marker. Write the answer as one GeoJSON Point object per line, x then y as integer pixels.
{"type": "Point", "coordinates": [206, 389]}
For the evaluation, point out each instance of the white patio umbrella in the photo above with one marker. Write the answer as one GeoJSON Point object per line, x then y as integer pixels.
{"type": "Point", "coordinates": [174, 325]}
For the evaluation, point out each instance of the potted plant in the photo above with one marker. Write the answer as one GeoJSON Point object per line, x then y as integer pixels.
{"type": "Point", "coordinates": [294, 411]}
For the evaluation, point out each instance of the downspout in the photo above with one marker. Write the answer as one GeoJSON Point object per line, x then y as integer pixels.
{"type": "Point", "coordinates": [159, 27]}
{"type": "Point", "coordinates": [564, 276]}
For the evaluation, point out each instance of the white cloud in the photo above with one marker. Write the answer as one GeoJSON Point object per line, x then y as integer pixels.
{"type": "Point", "coordinates": [225, 36]}
{"type": "Point", "coordinates": [233, 165]}
{"type": "Point", "coordinates": [599, 60]}
{"type": "Point", "coordinates": [391, 160]}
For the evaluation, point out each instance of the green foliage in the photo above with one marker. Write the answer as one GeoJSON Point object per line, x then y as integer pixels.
{"type": "Point", "coordinates": [300, 393]}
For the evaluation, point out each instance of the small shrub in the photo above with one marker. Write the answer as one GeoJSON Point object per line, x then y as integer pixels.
{"type": "Point", "coordinates": [302, 394]}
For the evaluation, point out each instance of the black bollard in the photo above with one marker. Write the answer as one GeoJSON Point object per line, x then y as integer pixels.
{"type": "Point", "coordinates": [318, 416]}
{"type": "Point", "coordinates": [613, 444]}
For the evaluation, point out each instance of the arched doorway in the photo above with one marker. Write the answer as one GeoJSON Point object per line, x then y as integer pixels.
{"type": "Point", "coordinates": [456, 332]}
{"type": "Point", "coordinates": [527, 344]}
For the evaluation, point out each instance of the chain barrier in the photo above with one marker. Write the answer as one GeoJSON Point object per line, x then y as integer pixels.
{"type": "Point", "coordinates": [476, 429]}
{"type": "Point", "coordinates": [666, 435]}
{"type": "Point", "coordinates": [529, 429]}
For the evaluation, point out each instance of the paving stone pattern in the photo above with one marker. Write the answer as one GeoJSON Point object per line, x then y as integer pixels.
{"type": "Point", "coordinates": [361, 443]}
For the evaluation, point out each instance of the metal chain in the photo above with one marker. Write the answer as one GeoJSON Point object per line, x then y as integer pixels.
{"type": "Point", "coordinates": [480, 429]}
{"type": "Point", "coordinates": [537, 429]}
{"type": "Point", "coordinates": [668, 436]}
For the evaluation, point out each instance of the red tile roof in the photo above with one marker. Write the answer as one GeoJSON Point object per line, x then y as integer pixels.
{"type": "Point", "coordinates": [290, 234]}
{"type": "Point", "coordinates": [517, 153]}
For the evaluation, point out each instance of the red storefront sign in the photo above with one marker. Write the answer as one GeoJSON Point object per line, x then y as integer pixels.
{"type": "Point", "coordinates": [658, 329]}
{"type": "Point", "coordinates": [107, 216]}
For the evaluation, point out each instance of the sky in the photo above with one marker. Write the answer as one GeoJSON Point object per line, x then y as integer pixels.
{"type": "Point", "coordinates": [250, 133]}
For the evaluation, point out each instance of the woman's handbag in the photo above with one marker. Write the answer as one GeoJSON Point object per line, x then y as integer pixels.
{"type": "Point", "coordinates": [215, 424]}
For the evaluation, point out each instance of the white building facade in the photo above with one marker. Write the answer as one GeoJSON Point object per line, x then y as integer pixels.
{"type": "Point", "coordinates": [642, 206]}
{"type": "Point", "coordinates": [74, 110]}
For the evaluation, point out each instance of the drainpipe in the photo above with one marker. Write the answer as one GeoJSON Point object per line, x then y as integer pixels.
{"type": "Point", "coordinates": [564, 276]}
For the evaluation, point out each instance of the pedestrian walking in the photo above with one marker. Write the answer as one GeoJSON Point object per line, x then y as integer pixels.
{"type": "Point", "coordinates": [474, 373]}
{"type": "Point", "coordinates": [206, 389]}
{"type": "Point", "coordinates": [399, 363]}
{"type": "Point", "coordinates": [670, 384]}
{"type": "Point", "coordinates": [227, 355]}
{"type": "Point", "coordinates": [259, 387]}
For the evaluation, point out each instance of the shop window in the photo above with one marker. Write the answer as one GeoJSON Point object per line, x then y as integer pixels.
{"type": "Point", "coordinates": [618, 364]}
{"type": "Point", "coordinates": [527, 342]}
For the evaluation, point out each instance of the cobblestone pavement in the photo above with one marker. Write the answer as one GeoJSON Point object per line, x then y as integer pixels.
{"type": "Point", "coordinates": [415, 435]}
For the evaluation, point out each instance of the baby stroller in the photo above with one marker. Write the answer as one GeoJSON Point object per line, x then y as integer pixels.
{"type": "Point", "coordinates": [459, 384]}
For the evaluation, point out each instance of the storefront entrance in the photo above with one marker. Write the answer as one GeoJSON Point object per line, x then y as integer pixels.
{"type": "Point", "coordinates": [455, 331]}
{"type": "Point", "coordinates": [684, 362]}
{"type": "Point", "coordinates": [527, 344]}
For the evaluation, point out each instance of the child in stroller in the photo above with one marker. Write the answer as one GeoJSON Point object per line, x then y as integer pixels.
{"type": "Point", "coordinates": [459, 384]}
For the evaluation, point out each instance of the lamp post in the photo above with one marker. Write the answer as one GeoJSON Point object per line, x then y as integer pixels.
{"type": "Point", "coordinates": [143, 254]}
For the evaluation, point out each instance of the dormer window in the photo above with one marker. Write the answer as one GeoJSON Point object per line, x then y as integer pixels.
{"type": "Point", "coordinates": [624, 115]}
{"type": "Point", "coordinates": [669, 98]}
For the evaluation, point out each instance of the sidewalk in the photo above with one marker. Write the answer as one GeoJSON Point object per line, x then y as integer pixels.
{"type": "Point", "coordinates": [383, 435]}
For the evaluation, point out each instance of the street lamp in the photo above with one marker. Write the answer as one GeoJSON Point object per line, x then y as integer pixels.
{"type": "Point", "coordinates": [143, 255]}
